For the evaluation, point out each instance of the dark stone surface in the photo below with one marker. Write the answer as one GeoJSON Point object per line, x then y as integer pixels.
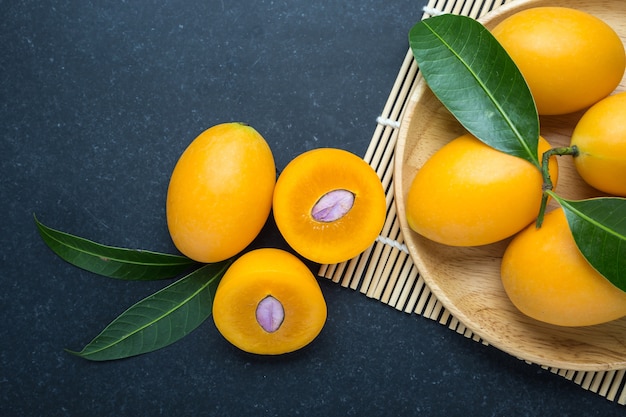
{"type": "Point", "coordinates": [98, 101]}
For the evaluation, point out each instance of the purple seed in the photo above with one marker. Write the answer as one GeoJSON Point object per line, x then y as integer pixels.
{"type": "Point", "coordinates": [333, 206]}
{"type": "Point", "coordinates": [270, 314]}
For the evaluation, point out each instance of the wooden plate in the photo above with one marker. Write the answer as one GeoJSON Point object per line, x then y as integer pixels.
{"type": "Point", "coordinates": [467, 280]}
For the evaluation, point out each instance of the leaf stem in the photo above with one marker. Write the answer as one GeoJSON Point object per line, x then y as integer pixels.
{"type": "Point", "coordinates": [548, 185]}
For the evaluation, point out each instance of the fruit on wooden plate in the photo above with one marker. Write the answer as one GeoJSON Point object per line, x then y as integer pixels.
{"type": "Point", "coordinates": [569, 58]}
{"type": "Point", "coordinates": [269, 303]}
{"type": "Point", "coordinates": [470, 194]}
{"type": "Point", "coordinates": [600, 136]}
{"type": "Point", "coordinates": [547, 278]}
{"type": "Point", "coordinates": [329, 205]}
{"type": "Point", "coordinates": [220, 192]}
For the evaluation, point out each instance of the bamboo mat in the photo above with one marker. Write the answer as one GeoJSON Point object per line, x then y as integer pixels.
{"type": "Point", "coordinates": [385, 271]}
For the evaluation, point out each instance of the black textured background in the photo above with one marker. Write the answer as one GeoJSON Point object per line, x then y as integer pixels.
{"type": "Point", "coordinates": [98, 100]}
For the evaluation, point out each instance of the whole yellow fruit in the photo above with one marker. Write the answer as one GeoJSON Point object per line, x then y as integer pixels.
{"type": "Point", "coordinates": [569, 58]}
{"type": "Point", "coordinates": [220, 193]}
{"type": "Point", "coordinates": [600, 136]}
{"type": "Point", "coordinates": [547, 278]}
{"type": "Point", "coordinates": [470, 194]}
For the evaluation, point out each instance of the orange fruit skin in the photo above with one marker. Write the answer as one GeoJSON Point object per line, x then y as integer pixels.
{"type": "Point", "coordinates": [600, 136]}
{"type": "Point", "coordinates": [220, 192]}
{"type": "Point", "coordinates": [300, 186]}
{"type": "Point", "coordinates": [469, 194]}
{"type": "Point", "coordinates": [569, 58]}
{"type": "Point", "coordinates": [547, 278]}
{"type": "Point", "coordinates": [251, 278]}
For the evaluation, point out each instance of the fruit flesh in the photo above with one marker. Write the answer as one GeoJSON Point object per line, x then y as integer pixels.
{"type": "Point", "coordinates": [329, 205]}
{"type": "Point", "coordinates": [251, 280]}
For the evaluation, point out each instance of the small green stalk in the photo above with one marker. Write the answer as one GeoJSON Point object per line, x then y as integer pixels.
{"type": "Point", "coordinates": [548, 185]}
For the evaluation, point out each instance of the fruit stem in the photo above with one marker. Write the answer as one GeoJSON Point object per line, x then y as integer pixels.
{"type": "Point", "coordinates": [548, 185]}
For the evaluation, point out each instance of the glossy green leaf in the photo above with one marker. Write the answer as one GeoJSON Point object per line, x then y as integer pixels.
{"type": "Point", "coordinates": [160, 319]}
{"type": "Point", "coordinates": [477, 81]}
{"type": "Point", "coordinates": [120, 263]}
{"type": "Point", "coordinates": [598, 226]}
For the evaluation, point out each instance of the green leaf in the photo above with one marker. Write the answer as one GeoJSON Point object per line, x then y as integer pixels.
{"type": "Point", "coordinates": [160, 319]}
{"type": "Point", "coordinates": [477, 81]}
{"type": "Point", "coordinates": [120, 263]}
{"type": "Point", "coordinates": [598, 226]}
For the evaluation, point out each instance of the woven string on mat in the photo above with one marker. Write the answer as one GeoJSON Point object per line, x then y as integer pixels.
{"type": "Point", "coordinates": [385, 271]}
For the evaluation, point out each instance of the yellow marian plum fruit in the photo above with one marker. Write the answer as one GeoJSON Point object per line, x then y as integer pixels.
{"type": "Point", "coordinates": [268, 302]}
{"type": "Point", "coordinates": [547, 278]}
{"type": "Point", "coordinates": [569, 58]}
{"type": "Point", "coordinates": [600, 136]}
{"type": "Point", "coordinates": [329, 205]}
{"type": "Point", "coordinates": [470, 194]}
{"type": "Point", "coordinates": [220, 193]}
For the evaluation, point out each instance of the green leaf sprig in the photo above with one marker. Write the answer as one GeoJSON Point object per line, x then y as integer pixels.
{"type": "Point", "coordinates": [598, 226]}
{"type": "Point", "coordinates": [478, 82]}
{"type": "Point", "coordinates": [159, 319]}
{"type": "Point", "coordinates": [113, 262]}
